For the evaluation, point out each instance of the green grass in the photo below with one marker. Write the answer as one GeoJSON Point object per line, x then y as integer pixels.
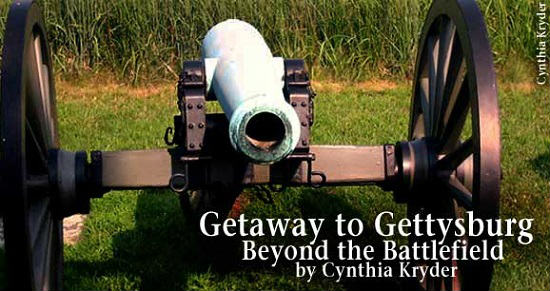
{"type": "Point", "coordinates": [348, 39]}
{"type": "Point", "coordinates": [140, 239]}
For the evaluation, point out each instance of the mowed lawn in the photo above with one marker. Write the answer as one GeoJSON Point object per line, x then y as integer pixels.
{"type": "Point", "coordinates": [140, 239]}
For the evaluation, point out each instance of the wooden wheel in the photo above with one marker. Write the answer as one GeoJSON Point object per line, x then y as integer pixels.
{"type": "Point", "coordinates": [33, 232]}
{"type": "Point", "coordinates": [455, 123]}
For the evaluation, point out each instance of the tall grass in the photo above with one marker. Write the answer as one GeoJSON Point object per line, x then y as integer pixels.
{"type": "Point", "coordinates": [343, 38]}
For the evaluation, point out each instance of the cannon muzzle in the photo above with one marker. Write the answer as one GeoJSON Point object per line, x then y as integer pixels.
{"type": "Point", "coordinates": [243, 75]}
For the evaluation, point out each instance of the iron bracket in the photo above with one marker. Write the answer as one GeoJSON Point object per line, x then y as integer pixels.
{"type": "Point", "coordinates": [299, 95]}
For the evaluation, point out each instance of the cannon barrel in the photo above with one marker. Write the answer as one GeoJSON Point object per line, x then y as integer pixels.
{"type": "Point", "coordinates": [243, 75]}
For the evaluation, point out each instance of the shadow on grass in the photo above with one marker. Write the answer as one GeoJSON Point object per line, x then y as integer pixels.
{"type": "Point", "coordinates": [3, 281]}
{"type": "Point", "coordinates": [541, 164]}
{"type": "Point", "coordinates": [163, 252]}
{"type": "Point", "coordinates": [160, 251]}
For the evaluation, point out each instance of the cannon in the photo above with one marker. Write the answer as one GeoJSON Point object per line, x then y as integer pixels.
{"type": "Point", "coordinates": [261, 139]}
{"type": "Point", "coordinates": [248, 83]}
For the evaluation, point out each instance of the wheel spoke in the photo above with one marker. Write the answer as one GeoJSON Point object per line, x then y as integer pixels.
{"type": "Point", "coordinates": [449, 281]}
{"type": "Point", "coordinates": [39, 216]}
{"type": "Point", "coordinates": [438, 283]}
{"type": "Point", "coordinates": [41, 230]}
{"type": "Point", "coordinates": [453, 83]}
{"type": "Point", "coordinates": [47, 265]}
{"type": "Point", "coordinates": [433, 52]}
{"type": "Point", "coordinates": [455, 122]}
{"type": "Point", "coordinates": [456, 282]}
{"type": "Point", "coordinates": [44, 82]}
{"type": "Point", "coordinates": [446, 41]}
{"type": "Point", "coordinates": [42, 71]}
{"type": "Point", "coordinates": [433, 283]}
{"type": "Point", "coordinates": [424, 103]}
{"type": "Point", "coordinates": [42, 253]}
{"type": "Point", "coordinates": [419, 128]}
{"type": "Point", "coordinates": [452, 160]}
{"type": "Point", "coordinates": [39, 148]}
{"type": "Point", "coordinates": [461, 194]}
{"type": "Point", "coordinates": [37, 100]}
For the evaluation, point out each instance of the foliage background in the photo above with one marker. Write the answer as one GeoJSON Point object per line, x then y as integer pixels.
{"type": "Point", "coordinates": [347, 38]}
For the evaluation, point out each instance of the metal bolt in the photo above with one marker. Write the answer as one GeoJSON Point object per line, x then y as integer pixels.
{"type": "Point", "coordinates": [201, 125]}
{"type": "Point", "coordinates": [190, 106]}
{"type": "Point", "coordinates": [294, 104]}
{"type": "Point", "coordinates": [200, 145]}
{"type": "Point", "coordinates": [199, 106]}
{"type": "Point", "coordinates": [304, 104]}
{"type": "Point", "coordinates": [304, 123]}
{"type": "Point", "coordinates": [304, 142]}
{"type": "Point", "coordinates": [191, 125]}
{"type": "Point", "coordinates": [192, 145]}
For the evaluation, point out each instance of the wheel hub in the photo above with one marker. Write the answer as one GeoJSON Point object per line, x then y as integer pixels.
{"type": "Point", "coordinates": [415, 162]}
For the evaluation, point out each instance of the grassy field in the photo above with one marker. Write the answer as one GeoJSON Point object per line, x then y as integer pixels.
{"type": "Point", "coordinates": [348, 39]}
{"type": "Point", "coordinates": [140, 239]}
